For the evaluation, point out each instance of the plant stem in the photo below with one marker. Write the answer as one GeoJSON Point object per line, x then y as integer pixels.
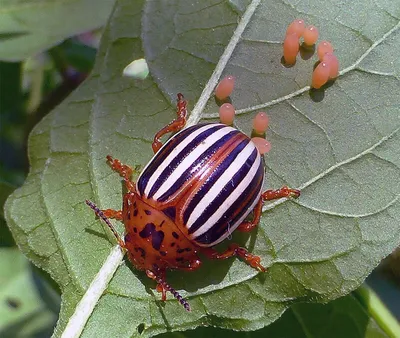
{"type": "Point", "coordinates": [378, 311]}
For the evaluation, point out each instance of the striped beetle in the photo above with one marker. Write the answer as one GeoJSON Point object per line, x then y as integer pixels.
{"type": "Point", "coordinates": [197, 189]}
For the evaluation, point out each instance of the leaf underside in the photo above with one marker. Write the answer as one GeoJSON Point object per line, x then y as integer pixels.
{"type": "Point", "coordinates": [340, 145]}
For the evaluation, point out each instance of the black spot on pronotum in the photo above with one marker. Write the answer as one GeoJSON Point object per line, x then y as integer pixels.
{"type": "Point", "coordinates": [142, 252]}
{"type": "Point", "coordinates": [135, 230]}
{"type": "Point", "coordinates": [183, 250]}
{"type": "Point", "coordinates": [147, 230]}
{"type": "Point", "coordinates": [135, 212]}
{"type": "Point", "coordinates": [157, 239]}
{"type": "Point", "coordinates": [163, 253]}
{"type": "Point", "coordinates": [175, 234]}
{"type": "Point", "coordinates": [147, 212]}
{"type": "Point", "coordinates": [140, 328]}
{"type": "Point", "coordinates": [128, 215]}
{"type": "Point", "coordinates": [172, 244]}
{"type": "Point", "coordinates": [161, 224]}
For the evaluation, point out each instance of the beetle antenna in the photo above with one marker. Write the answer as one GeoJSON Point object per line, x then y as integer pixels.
{"type": "Point", "coordinates": [99, 213]}
{"type": "Point", "coordinates": [176, 294]}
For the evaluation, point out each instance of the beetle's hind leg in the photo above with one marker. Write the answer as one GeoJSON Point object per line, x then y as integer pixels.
{"type": "Point", "coordinates": [175, 125]}
{"type": "Point", "coordinates": [123, 170]}
{"type": "Point", "coordinates": [236, 250]}
{"type": "Point", "coordinates": [267, 195]}
{"type": "Point", "coordinates": [248, 226]}
{"type": "Point", "coordinates": [285, 191]}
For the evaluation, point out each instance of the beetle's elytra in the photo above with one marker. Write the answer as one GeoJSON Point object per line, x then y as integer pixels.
{"type": "Point", "coordinates": [197, 189]}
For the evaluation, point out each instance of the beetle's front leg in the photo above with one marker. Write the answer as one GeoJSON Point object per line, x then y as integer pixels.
{"type": "Point", "coordinates": [175, 125]}
{"type": "Point", "coordinates": [104, 215]}
{"type": "Point", "coordinates": [114, 214]}
{"type": "Point", "coordinates": [163, 287]}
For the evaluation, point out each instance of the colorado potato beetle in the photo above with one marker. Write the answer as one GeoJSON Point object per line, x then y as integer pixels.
{"type": "Point", "coordinates": [198, 188]}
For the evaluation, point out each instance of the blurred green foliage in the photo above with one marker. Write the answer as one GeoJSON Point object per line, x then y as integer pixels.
{"type": "Point", "coordinates": [29, 299]}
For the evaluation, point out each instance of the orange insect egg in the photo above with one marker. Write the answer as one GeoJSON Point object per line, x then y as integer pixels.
{"type": "Point", "coordinates": [260, 123]}
{"type": "Point", "coordinates": [310, 35]}
{"type": "Point", "coordinates": [323, 48]}
{"type": "Point", "coordinates": [297, 27]}
{"type": "Point", "coordinates": [320, 75]}
{"type": "Point", "coordinates": [225, 87]}
{"type": "Point", "coordinates": [227, 113]}
{"type": "Point", "coordinates": [261, 144]}
{"type": "Point", "coordinates": [333, 63]}
{"type": "Point", "coordinates": [290, 48]}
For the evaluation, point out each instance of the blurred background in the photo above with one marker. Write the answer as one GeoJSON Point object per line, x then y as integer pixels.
{"type": "Point", "coordinates": [29, 89]}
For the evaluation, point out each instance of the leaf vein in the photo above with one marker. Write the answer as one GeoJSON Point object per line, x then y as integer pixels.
{"type": "Point", "coordinates": [196, 114]}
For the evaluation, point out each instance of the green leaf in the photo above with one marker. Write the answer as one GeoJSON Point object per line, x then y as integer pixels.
{"type": "Point", "coordinates": [339, 145]}
{"type": "Point", "coordinates": [30, 27]}
{"type": "Point", "coordinates": [343, 317]}
{"type": "Point", "coordinates": [24, 297]}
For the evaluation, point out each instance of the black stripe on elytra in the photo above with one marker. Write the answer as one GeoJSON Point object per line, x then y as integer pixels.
{"type": "Point", "coordinates": [217, 172]}
{"type": "Point", "coordinates": [197, 165]}
{"type": "Point", "coordinates": [157, 160]}
{"type": "Point", "coordinates": [222, 226]}
{"type": "Point", "coordinates": [166, 173]}
{"type": "Point", "coordinates": [228, 189]}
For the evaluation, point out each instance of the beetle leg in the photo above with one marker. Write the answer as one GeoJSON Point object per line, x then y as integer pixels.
{"type": "Point", "coordinates": [123, 170]}
{"type": "Point", "coordinates": [164, 287]}
{"type": "Point", "coordinates": [103, 216]}
{"type": "Point", "coordinates": [236, 250]}
{"type": "Point", "coordinates": [267, 195]}
{"type": "Point", "coordinates": [160, 287]}
{"type": "Point", "coordinates": [175, 125]}
{"type": "Point", "coordinates": [111, 213]}
{"type": "Point", "coordinates": [280, 193]}
{"type": "Point", "coordinates": [163, 291]}
{"type": "Point", "coordinates": [193, 265]}
{"type": "Point", "coordinates": [247, 226]}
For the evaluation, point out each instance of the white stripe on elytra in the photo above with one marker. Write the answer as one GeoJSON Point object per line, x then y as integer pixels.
{"type": "Point", "coordinates": [233, 227]}
{"type": "Point", "coordinates": [171, 156]}
{"type": "Point", "coordinates": [192, 156]}
{"type": "Point", "coordinates": [220, 183]}
{"type": "Point", "coordinates": [237, 193]}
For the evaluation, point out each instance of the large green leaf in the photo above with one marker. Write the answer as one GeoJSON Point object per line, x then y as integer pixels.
{"type": "Point", "coordinates": [343, 317]}
{"type": "Point", "coordinates": [340, 146]}
{"type": "Point", "coordinates": [28, 27]}
{"type": "Point", "coordinates": [27, 303]}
